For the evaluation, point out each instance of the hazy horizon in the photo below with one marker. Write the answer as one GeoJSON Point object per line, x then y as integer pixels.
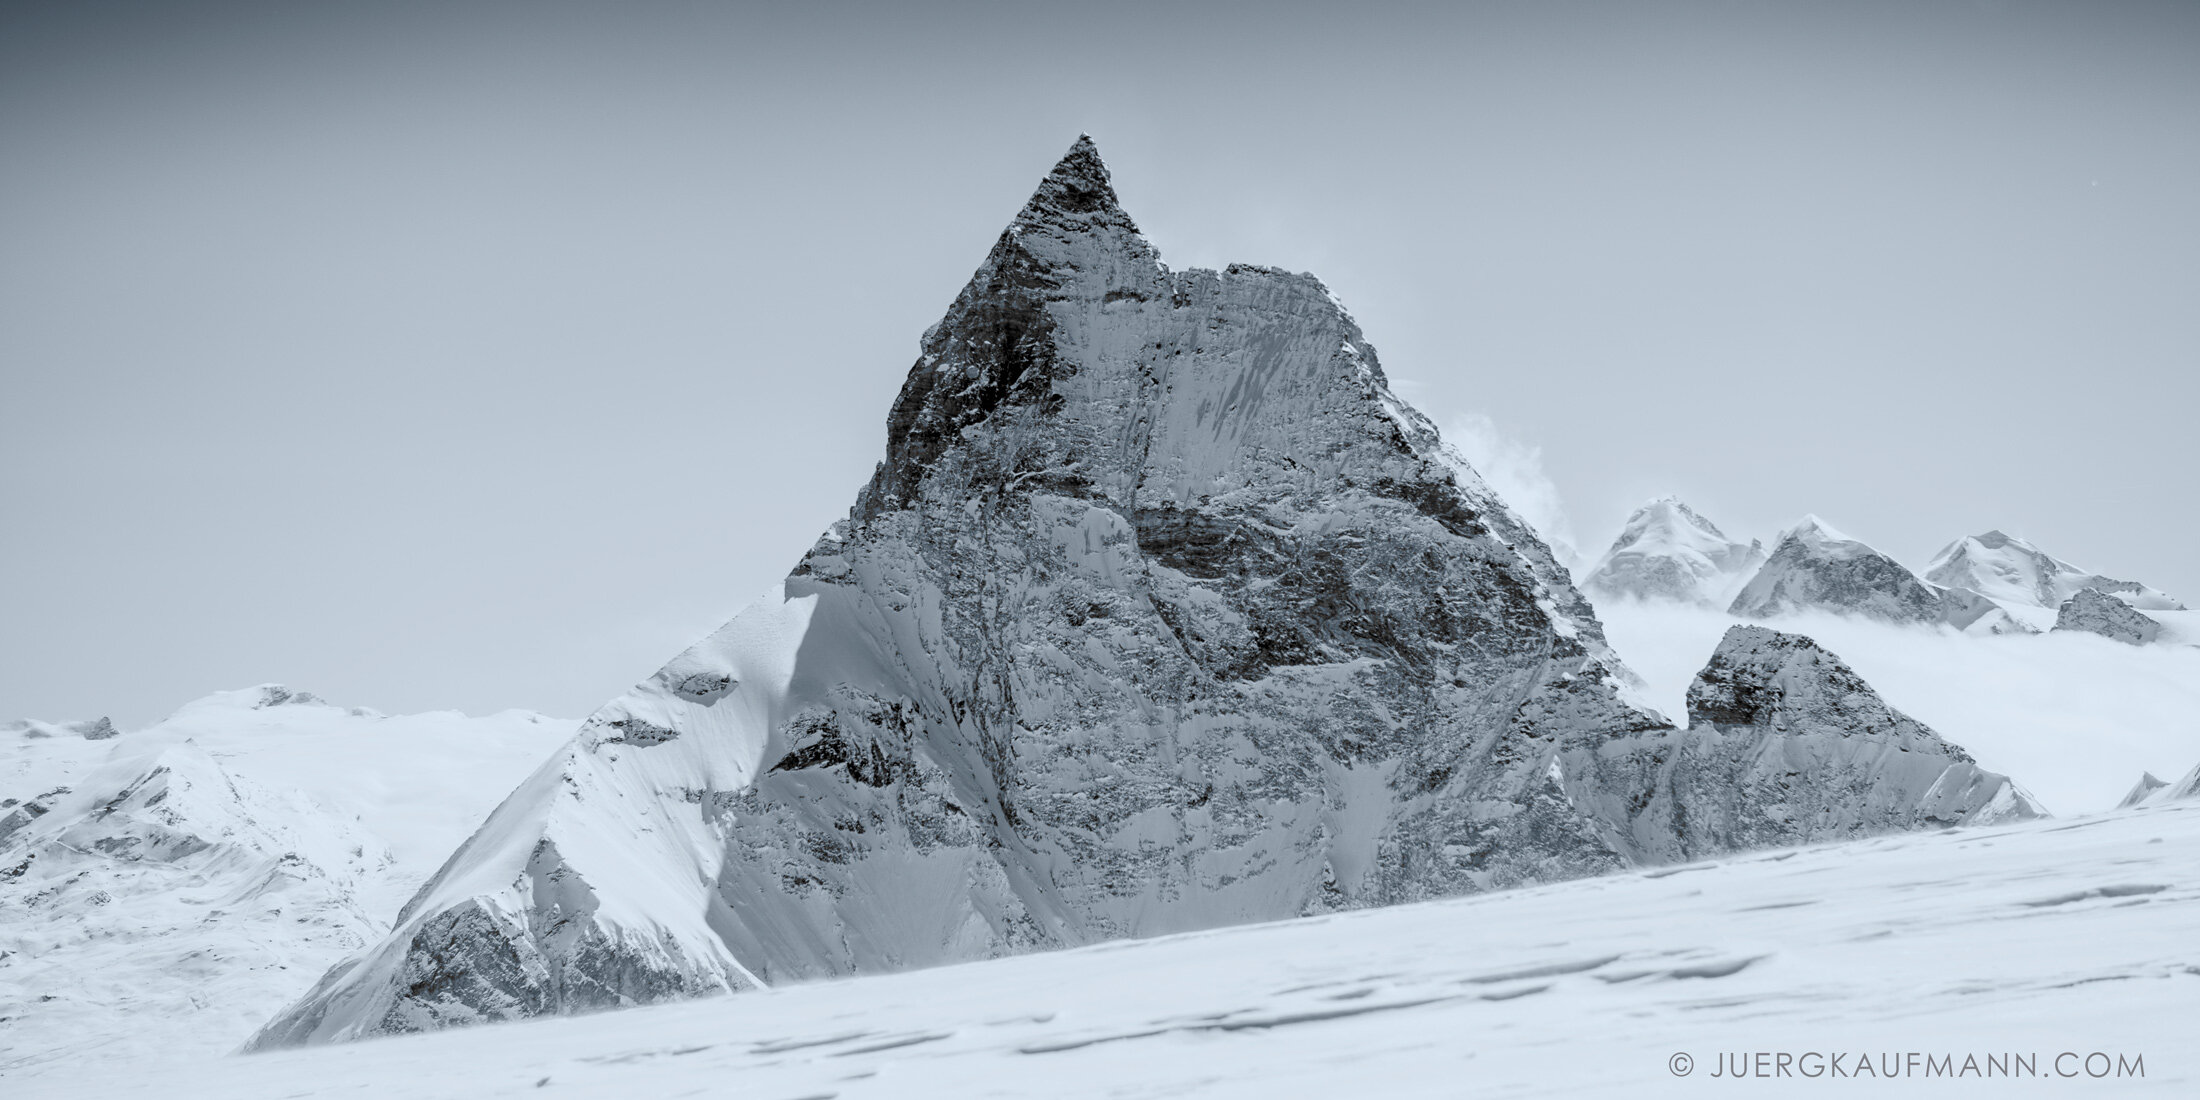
{"type": "Point", "coordinates": [478, 358]}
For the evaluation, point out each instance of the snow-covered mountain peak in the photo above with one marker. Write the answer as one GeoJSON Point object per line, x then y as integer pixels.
{"type": "Point", "coordinates": [1813, 531]}
{"type": "Point", "coordinates": [1668, 551]}
{"type": "Point", "coordinates": [1815, 566]}
{"type": "Point", "coordinates": [1162, 612]}
{"type": "Point", "coordinates": [2013, 572]}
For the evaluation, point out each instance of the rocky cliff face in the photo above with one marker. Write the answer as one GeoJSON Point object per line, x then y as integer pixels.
{"type": "Point", "coordinates": [1813, 566]}
{"type": "Point", "coordinates": [1786, 744]}
{"type": "Point", "coordinates": [1161, 613]}
{"type": "Point", "coordinates": [2096, 612]}
{"type": "Point", "coordinates": [1666, 551]}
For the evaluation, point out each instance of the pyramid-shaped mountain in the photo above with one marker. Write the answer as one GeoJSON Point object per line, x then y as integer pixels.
{"type": "Point", "coordinates": [1666, 551]}
{"type": "Point", "coordinates": [1161, 613]}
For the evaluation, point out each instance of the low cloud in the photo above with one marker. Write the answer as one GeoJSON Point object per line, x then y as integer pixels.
{"type": "Point", "coordinates": [1515, 470]}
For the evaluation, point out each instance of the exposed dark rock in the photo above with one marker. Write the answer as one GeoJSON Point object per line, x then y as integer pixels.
{"type": "Point", "coordinates": [2096, 612]}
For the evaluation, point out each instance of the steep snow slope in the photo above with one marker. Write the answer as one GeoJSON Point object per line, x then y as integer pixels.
{"type": "Point", "coordinates": [1973, 946]}
{"type": "Point", "coordinates": [1666, 551]}
{"type": "Point", "coordinates": [1161, 613]}
{"type": "Point", "coordinates": [166, 889]}
{"type": "Point", "coordinates": [2073, 717]}
{"type": "Point", "coordinates": [1816, 568]}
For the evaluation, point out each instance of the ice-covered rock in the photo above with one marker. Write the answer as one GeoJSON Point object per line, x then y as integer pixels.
{"type": "Point", "coordinates": [1667, 551]}
{"type": "Point", "coordinates": [1786, 744]}
{"type": "Point", "coordinates": [1161, 613]}
{"type": "Point", "coordinates": [1814, 567]}
{"type": "Point", "coordinates": [2096, 612]}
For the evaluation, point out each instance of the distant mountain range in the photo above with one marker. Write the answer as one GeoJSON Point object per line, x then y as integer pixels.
{"type": "Point", "coordinates": [1982, 584]}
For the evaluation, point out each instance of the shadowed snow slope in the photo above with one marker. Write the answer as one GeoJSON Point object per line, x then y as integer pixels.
{"type": "Point", "coordinates": [1161, 613]}
{"type": "Point", "coordinates": [2015, 944]}
{"type": "Point", "coordinates": [165, 890]}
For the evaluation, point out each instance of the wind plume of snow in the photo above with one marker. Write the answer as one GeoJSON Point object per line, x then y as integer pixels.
{"type": "Point", "coordinates": [1514, 468]}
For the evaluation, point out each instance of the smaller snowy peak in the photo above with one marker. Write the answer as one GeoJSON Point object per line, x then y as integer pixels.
{"type": "Point", "coordinates": [2015, 573]}
{"type": "Point", "coordinates": [2096, 612]}
{"type": "Point", "coordinates": [2142, 790]}
{"type": "Point", "coordinates": [1815, 567]}
{"type": "Point", "coordinates": [2150, 791]}
{"type": "Point", "coordinates": [1667, 551]}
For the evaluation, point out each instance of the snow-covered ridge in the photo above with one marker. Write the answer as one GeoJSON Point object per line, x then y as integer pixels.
{"type": "Point", "coordinates": [2010, 570]}
{"type": "Point", "coordinates": [167, 888]}
{"type": "Point", "coordinates": [2150, 791]}
{"type": "Point", "coordinates": [1983, 584]}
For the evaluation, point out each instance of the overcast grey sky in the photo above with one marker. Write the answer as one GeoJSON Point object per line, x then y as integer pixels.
{"type": "Point", "coordinates": [484, 356]}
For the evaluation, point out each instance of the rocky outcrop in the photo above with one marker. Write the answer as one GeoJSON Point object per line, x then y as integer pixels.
{"type": "Point", "coordinates": [2096, 612]}
{"type": "Point", "coordinates": [1668, 552]}
{"type": "Point", "coordinates": [1814, 567]}
{"type": "Point", "coordinates": [1786, 744]}
{"type": "Point", "coordinates": [1161, 613]}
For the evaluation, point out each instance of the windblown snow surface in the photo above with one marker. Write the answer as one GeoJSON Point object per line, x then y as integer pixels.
{"type": "Point", "coordinates": [1967, 952]}
{"type": "Point", "coordinates": [166, 890]}
{"type": "Point", "coordinates": [2075, 717]}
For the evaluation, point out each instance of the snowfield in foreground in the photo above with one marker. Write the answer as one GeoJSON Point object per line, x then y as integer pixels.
{"type": "Point", "coordinates": [2005, 947]}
